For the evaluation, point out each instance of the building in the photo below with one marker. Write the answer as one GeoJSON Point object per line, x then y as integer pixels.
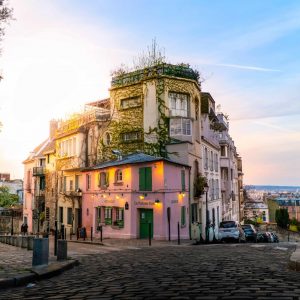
{"type": "Point", "coordinates": [15, 187]}
{"type": "Point", "coordinates": [126, 195]}
{"type": "Point", "coordinates": [4, 176]}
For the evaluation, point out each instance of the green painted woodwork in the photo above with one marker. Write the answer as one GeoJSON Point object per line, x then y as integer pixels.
{"type": "Point", "coordinates": [146, 217]}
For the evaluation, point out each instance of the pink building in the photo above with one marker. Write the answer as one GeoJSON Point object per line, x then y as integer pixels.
{"type": "Point", "coordinates": [125, 195]}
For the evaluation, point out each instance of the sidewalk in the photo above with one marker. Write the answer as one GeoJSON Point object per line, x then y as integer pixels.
{"type": "Point", "coordinates": [16, 266]}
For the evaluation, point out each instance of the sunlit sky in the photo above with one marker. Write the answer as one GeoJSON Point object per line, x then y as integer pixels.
{"type": "Point", "coordinates": [58, 54]}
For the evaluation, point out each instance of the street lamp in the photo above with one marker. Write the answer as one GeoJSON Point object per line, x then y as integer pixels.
{"type": "Point", "coordinates": [206, 187]}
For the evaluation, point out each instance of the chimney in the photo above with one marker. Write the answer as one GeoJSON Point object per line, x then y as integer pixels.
{"type": "Point", "coordinates": [53, 127]}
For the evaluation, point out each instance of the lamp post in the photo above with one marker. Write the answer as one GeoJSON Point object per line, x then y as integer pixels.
{"type": "Point", "coordinates": [206, 187]}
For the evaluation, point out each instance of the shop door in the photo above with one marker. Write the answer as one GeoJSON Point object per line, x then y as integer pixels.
{"type": "Point", "coordinates": [146, 217]}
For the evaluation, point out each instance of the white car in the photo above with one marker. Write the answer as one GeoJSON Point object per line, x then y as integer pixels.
{"type": "Point", "coordinates": [231, 230]}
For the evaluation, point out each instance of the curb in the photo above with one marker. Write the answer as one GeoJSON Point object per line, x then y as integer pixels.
{"type": "Point", "coordinates": [38, 273]}
{"type": "Point", "coordinates": [86, 242]}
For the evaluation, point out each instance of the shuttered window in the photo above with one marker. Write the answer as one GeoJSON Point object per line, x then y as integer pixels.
{"type": "Point", "coordinates": [183, 216]}
{"type": "Point", "coordinates": [145, 179]}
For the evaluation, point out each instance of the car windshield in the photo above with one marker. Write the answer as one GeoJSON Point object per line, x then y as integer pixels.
{"type": "Point", "coordinates": [229, 224]}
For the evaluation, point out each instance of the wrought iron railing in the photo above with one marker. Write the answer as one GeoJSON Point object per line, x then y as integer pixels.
{"type": "Point", "coordinates": [38, 171]}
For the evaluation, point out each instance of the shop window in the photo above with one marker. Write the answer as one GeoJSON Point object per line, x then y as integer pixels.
{"type": "Point", "coordinates": [145, 179]}
{"type": "Point", "coordinates": [108, 215]}
{"type": "Point", "coordinates": [119, 217]}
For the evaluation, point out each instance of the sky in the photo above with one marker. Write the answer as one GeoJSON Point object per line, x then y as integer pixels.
{"type": "Point", "coordinates": [59, 54]}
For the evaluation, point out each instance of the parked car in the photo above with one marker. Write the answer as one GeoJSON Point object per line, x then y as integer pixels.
{"type": "Point", "coordinates": [262, 237]}
{"type": "Point", "coordinates": [250, 232]}
{"type": "Point", "coordinates": [275, 237]}
{"type": "Point", "coordinates": [231, 230]}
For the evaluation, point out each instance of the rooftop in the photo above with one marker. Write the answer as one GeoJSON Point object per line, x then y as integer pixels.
{"type": "Point", "coordinates": [180, 71]}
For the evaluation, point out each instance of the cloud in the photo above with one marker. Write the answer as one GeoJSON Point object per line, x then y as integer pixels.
{"type": "Point", "coordinates": [251, 68]}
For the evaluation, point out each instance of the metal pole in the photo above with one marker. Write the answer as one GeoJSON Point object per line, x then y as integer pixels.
{"type": "Point", "coordinates": [101, 233]}
{"type": "Point", "coordinates": [65, 233]}
{"type": "Point", "coordinates": [91, 234]}
{"type": "Point", "coordinates": [206, 226]}
{"type": "Point", "coordinates": [149, 233]}
{"type": "Point", "coordinates": [169, 224]}
{"type": "Point", "coordinates": [77, 233]}
{"type": "Point", "coordinates": [55, 239]}
{"type": "Point", "coordinates": [12, 223]}
{"type": "Point", "coordinates": [178, 233]}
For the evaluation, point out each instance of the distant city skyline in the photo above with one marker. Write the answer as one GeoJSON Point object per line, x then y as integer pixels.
{"type": "Point", "coordinates": [58, 55]}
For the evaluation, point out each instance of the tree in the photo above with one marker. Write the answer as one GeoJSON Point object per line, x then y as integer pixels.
{"type": "Point", "coordinates": [282, 217]}
{"type": "Point", "coordinates": [5, 16]}
{"type": "Point", "coordinates": [6, 198]}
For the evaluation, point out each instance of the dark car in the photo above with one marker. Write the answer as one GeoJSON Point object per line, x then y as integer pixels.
{"type": "Point", "coordinates": [262, 237]}
{"type": "Point", "coordinates": [250, 232]}
{"type": "Point", "coordinates": [275, 237]}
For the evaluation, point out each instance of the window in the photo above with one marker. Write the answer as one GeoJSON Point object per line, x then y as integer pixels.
{"type": "Point", "coordinates": [119, 176]}
{"type": "Point", "coordinates": [145, 179]}
{"type": "Point", "coordinates": [42, 183]}
{"type": "Point", "coordinates": [179, 104]}
{"type": "Point", "coordinates": [180, 126]}
{"type": "Point", "coordinates": [119, 221]}
{"type": "Point", "coordinates": [130, 102]}
{"type": "Point", "coordinates": [67, 147]}
{"type": "Point", "coordinates": [71, 185]}
{"type": "Point", "coordinates": [205, 158]}
{"type": "Point", "coordinates": [216, 162]}
{"type": "Point", "coordinates": [103, 180]}
{"type": "Point", "coordinates": [131, 136]}
{"type": "Point", "coordinates": [98, 215]}
{"type": "Point", "coordinates": [65, 183]}
{"type": "Point", "coordinates": [107, 139]}
{"type": "Point", "coordinates": [183, 219]}
{"type": "Point", "coordinates": [69, 216]}
{"type": "Point", "coordinates": [108, 215]}
{"type": "Point", "coordinates": [88, 181]}
{"type": "Point", "coordinates": [223, 150]}
{"type": "Point", "coordinates": [61, 214]}
{"type": "Point", "coordinates": [76, 182]}
{"type": "Point", "coordinates": [211, 161]}
{"type": "Point", "coordinates": [183, 180]}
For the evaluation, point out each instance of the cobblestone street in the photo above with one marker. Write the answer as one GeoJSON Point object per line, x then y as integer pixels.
{"type": "Point", "coordinates": [225, 271]}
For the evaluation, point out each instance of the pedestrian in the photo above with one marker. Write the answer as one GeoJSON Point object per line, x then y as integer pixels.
{"type": "Point", "coordinates": [25, 228]}
{"type": "Point", "coordinates": [22, 229]}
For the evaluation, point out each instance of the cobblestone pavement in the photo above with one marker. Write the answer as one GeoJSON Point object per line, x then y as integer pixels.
{"type": "Point", "coordinates": [224, 271]}
{"type": "Point", "coordinates": [14, 260]}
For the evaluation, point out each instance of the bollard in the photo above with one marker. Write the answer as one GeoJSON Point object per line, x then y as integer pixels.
{"type": "Point", "coordinates": [178, 233]}
{"type": "Point", "coordinates": [62, 250]}
{"type": "Point", "coordinates": [19, 241]}
{"type": "Point", "coordinates": [30, 242]}
{"type": "Point", "coordinates": [84, 233]}
{"type": "Point", "coordinates": [101, 233]}
{"type": "Point", "coordinates": [149, 233]}
{"type": "Point", "coordinates": [24, 242]}
{"type": "Point", "coordinates": [40, 255]}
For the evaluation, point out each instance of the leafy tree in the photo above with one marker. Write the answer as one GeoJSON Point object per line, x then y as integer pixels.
{"type": "Point", "coordinates": [5, 16]}
{"type": "Point", "coordinates": [282, 217]}
{"type": "Point", "coordinates": [6, 198]}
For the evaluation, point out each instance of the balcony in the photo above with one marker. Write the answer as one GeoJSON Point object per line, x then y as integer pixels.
{"type": "Point", "coordinates": [39, 171]}
{"type": "Point", "coordinates": [155, 71]}
{"type": "Point", "coordinates": [71, 194]}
